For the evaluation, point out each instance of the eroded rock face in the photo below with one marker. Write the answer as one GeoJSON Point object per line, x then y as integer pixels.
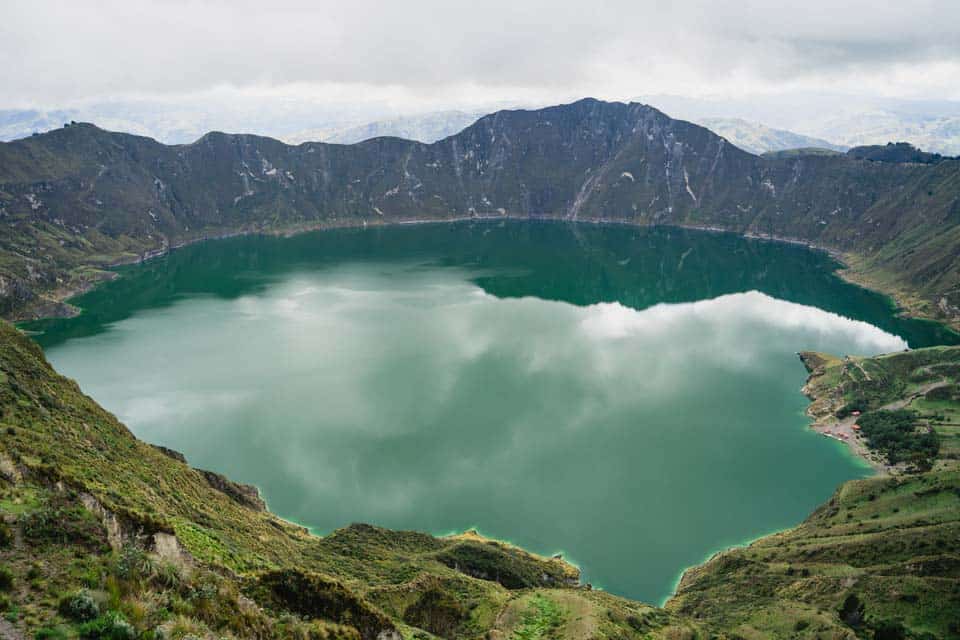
{"type": "Point", "coordinates": [167, 547]}
{"type": "Point", "coordinates": [9, 470]}
{"type": "Point", "coordinates": [245, 494]}
{"type": "Point", "coordinates": [115, 533]}
{"type": "Point", "coordinates": [170, 453]}
{"type": "Point", "coordinates": [162, 544]}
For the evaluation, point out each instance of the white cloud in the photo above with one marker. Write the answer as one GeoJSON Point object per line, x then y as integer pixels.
{"type": "Point", "coordinates": [743, 311]}
{"type": "Point", "coordinates": [444, 53]}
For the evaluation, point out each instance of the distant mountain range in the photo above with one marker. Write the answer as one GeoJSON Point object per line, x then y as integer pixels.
{"type": "Point", "coordinates": [291, 121]}
{"type": "Point", "coordinates": [934, 134]}
{"type": "Point", "coordinates": [757, 124]}
{"type": "Point", "coordinates": [757, 138]}
{"type": "Point", "coordinates": [430, 127]}
{"type": "Point", "coordinates": [182, 123]}
{"type": "Point", "coordinates": [81, 197]}
{"type": "Point", "coordinates": [427, 127]}
{"type": "Point", "coordinates": [844, 120]}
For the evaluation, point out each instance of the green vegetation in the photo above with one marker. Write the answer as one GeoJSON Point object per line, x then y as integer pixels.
{"type": "Point", "coordinates": [484, 559]}
{"type": "Point", "coordinates": [112, 538]}
{"type": "Point", "coordinates": [109, 537]}
{"type": "Point", "coordinates": [895, 434]}
{"type": "Point", "coordinates": [802, 151]}
{"type": "Point", "coordinates": [881, 558]}
{"type": "Point", "coordinates": [895, 152]}
{"type": "Point", "coordinates": [438, 612]}
{"type": "Point", "coordinates": [6, 579]}
{"type": "Point", "coordinates": [79, 606]}
{"type": "Point", "coordinates": [62, 521]}
{"type": "Point", "coordinates": [892, 542]}
{"type": "Point", "coordinates": [543, 619]}
{"type": "Point", "coordinates": [104, 536]}
{"type": "Point", "coordinates": [909, 402]}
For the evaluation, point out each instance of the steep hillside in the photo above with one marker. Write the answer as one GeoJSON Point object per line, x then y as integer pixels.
{"type": "Point", "coordinates": [79, 198]}
{"type": "Point", "coordinates": [105, 536]}
{"type": "Point", "coordinates": [883, 554]}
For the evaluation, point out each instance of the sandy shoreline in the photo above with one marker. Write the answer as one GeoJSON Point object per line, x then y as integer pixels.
{"type": "Point", "coordinates": [843, 431]}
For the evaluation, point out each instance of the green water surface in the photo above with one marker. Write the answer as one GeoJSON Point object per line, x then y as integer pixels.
{"type": "Point", "coordinates": [630, 397]}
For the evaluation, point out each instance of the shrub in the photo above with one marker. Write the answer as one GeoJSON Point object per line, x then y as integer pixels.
{"type": "Point", "coordinates": [133, 564]}
{"type": "Point", "coordinates": [6, 535]}
{"type": "Point", "coordinates": [889, 630]}
{"type": "Point", "coordinates": [167, 575]}
{"type": "Point", "coordinates": [51, 633]}
{"type": "Point", "coordinates": [111, 626]}
{"type": "Point", "coordinates": [852, 611]}
{"type": "Point", "coordinates": [123, 630]}
{"type": "Point", "coordinates": [79, 606]}
{"type": "Point", "coordinates": [947, 392]}
{"type": "Point", "coordinates": [64, 521]}
{"type": "Point", "coordinates": [312, 595]}
{"type": "Point", "coordinates": [894, 433]}
{"type": "Point", "coordinates": [437, 612]}
{"type": "Point", "coordinates": [6, 579]}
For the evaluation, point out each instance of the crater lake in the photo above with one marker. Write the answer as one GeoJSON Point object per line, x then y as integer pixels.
{"type": "Point", "coordinates": [629, 397]}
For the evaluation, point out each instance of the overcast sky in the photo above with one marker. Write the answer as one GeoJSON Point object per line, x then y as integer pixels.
{"type": "Point", "coordinates": [432, 54]}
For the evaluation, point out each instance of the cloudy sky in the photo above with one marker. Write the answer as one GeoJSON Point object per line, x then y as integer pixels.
{"type": "Point", "coordinates": [425, 54]}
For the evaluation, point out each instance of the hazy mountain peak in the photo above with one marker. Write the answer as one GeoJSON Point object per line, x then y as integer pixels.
{"type": "Point", "coordinates": [759, 138]}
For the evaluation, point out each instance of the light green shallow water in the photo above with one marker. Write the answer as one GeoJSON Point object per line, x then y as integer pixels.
{"type": "Point", "coordinates": [629, 397]}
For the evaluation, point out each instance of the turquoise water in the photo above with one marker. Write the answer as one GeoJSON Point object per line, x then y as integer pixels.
{"type": "Point", "coordinates": [629, 397]}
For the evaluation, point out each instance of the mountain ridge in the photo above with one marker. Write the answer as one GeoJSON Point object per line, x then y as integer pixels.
{"type": "Point", "coordinates": [80, 197]}
{"type": "Point", "coordinates": [758, 138]}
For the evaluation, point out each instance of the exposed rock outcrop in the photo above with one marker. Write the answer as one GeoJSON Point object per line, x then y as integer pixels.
{"type": "Point", "coordinates": [246, 494]}
{"type": "Point", "coordinates": [170, 453]}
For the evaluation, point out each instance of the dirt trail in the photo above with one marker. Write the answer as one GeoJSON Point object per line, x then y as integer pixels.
{"type": "Point", "coordinates": [866, 375]}
{"type": "Point", "coordinates": [922, 391]}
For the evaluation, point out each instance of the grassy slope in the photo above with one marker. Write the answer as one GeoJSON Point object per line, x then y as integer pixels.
{"type": "Point", "coordinates": [915, 258]}
{"type": "Point", "coordinates": [892, 542]}
{"type": "Point", "coordinates": [234, 570]}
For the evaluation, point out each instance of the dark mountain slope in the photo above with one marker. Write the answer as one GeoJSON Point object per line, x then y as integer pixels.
{"type": "Point", "coordinates": [81, 196]}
